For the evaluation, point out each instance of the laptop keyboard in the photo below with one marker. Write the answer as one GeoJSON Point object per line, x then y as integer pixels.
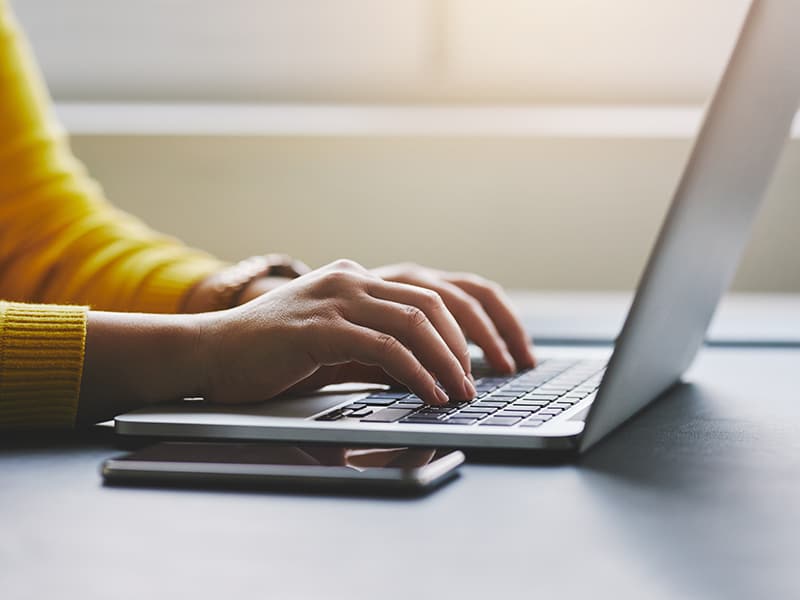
{"type": "Point", "coordinates": [525, 399]}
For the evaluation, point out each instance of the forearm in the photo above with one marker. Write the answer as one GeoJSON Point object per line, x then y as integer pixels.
{"type": "Point", "coordinates": [134, 359]}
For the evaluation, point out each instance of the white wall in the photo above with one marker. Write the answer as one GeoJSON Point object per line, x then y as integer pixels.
{"type": "Point", "coordinates": [619, 51]}
{"type": "Point", "coordinates": [542, 213]}
{"type": "Point", "coordinates": [527, 208]}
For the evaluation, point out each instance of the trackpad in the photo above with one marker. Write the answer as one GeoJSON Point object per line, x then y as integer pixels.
{"type": "Point", "coordinates": [301, 407]}
{"type": "Point", "coordinates": [296, 407]}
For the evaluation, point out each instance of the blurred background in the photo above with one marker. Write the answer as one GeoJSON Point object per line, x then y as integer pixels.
{"type": "Point", "coordinates": [536, 142]}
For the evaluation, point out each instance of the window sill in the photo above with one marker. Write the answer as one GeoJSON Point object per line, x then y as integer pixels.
{"type": "Point", "coordinates": [670, 122]}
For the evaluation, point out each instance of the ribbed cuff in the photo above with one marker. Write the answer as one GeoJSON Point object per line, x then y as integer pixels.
{"type": "Point", "coordinates": [41, 362]}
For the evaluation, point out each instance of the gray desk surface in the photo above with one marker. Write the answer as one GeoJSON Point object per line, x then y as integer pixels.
{"type": "Point", "coordinates": [695, 498]}
{"type": "Point", "coordinates": [742, 319]}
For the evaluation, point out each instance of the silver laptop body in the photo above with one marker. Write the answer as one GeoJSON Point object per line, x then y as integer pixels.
{"type": "Point", "coordinates": [690, 267]}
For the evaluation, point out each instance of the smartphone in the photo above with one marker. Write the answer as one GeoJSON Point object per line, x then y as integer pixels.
{"type": "Point", "coordinates": [298, 468]}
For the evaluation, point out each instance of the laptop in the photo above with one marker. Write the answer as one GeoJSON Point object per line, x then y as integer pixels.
{"type": "Point", "coordinates": [575, 398]}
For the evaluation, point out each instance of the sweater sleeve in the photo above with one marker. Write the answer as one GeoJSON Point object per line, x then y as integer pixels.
{"type": "Point", "coordinates": [61, 242]}
{"type": "Point", "coordinates": [41, 362]}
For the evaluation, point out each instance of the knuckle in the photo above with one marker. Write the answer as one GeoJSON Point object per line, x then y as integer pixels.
{"type": "Point", "coordinates": [416, 317]}
{"type": "Point", "coordinates": [334, 312]}
{"type": "Point", "coordinates": [387, 344]}
{"type": "Point", "coordinates": [336, 281]}
{"type": "Point", "coordinates": [433, 300]}
{"type": "Point", "coordinates": [345, 264]}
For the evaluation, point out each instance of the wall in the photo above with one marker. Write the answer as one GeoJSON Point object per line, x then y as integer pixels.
{"type": "Point", "coordinates": [531, 212]}
{"type": "Point", "coordinates": [532, 51]}
{"type": "Point", "coordinates": [529, 209]}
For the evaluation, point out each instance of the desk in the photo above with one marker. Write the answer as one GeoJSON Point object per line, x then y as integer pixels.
{"type": "Point", "coordinates": [742, 319]}
{"type": "Point", "coordinates": [695, 498]}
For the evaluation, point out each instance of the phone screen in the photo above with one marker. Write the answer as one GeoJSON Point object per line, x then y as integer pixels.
{"type": "Point", "coordinates": [257, 463]}
{"type": "Point", "coordinates": [298, 456]}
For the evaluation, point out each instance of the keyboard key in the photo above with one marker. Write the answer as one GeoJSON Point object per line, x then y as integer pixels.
{"type": "Point", "coordinates": [540, 396]}
{"type": "Point", "coordinates": [472, 410]}
{"type": "Point", "coordinates": [549, 411]}
{"type": "Point", "coordinates": [436, 410]}
{"type": "Point", "coordinates": [502, 396]}
{"type": "Point", "coordinates": [531, 403]}
{"type": "Point", "coordinates": [514, 413]}
{"type": "Point", "coordinates": [334, 415]}
{"type": "Point", "coordinates": [361, 412]}
{"type": "Point", "coordinates": [490, 403]}
{"type": "Point", "coordinates": [388, 394]}
{"type": "Point", "coordinates": [561, 405]}
{"type": "Point", "coordinates": [459, 421]}
{"type": "Point", "coordinates": [500, 421]}
{"type": "Point", "coordinates": [421, 419]}
{"type": "Point", "coordinates": [454, 404]}
{"type": "Point", "coordinates": [378, 401]}
{"type": "Point", "coordinates": [409, 402]}
{"type": "Point", "coordinates": [388, 415]}
{"type": "Point", "coordinates": [532, 423]}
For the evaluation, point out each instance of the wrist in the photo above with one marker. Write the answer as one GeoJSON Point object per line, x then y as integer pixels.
{"type": "Point", "coordinates": [204, 336]}
{"type": "Point", "coordinates": [241, 282]}
{"type": "Point", "coordinates": [159, 360]}
{"type": "Point", "coordinates": [169, 348]}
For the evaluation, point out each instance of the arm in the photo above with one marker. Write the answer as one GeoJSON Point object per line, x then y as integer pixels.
{"type": "Point", "coordinates": [307, 330]}
{"type": "Point", "coordinates": [60, 240]}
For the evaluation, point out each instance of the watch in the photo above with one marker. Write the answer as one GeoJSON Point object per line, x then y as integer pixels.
{"type": "Point", "coordinates": [232, 281]}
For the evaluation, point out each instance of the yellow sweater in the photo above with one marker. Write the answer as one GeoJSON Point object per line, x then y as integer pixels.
{"type": "Point", "coordinates": [63, 248]}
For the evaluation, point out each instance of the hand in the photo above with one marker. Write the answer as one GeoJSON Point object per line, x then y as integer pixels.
{"type": "Point", "coordinates": [325, 326]}
{"type": "Point", "coordinates": [261, 286]}
{"type": "Point", "coordinates": [481, 308]}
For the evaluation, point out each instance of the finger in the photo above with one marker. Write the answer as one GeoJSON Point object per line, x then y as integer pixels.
{"type": "Point", "coordinates": [412, 327]}
{"type": "Point", "coordinates": [435, 310]}
{"type": "Point", "coordinates": [370, 347]}
{"type": "Point", "coordinates": [500, 310]}
{"type": "Point", "coordinates": [472, 317]}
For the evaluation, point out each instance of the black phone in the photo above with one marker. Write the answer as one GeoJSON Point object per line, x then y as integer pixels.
{"type": "Point", "coordinates": [298, 468]}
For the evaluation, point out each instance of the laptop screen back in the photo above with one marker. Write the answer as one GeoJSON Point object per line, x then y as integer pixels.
{"type": "Point", "coordinates": [709, 220]}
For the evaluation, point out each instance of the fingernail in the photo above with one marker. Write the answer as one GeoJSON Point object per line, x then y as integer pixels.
{"type": "Point", "coordinates": [440, 395]}
{"type": "Point", "coordinates": [469, 388]}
